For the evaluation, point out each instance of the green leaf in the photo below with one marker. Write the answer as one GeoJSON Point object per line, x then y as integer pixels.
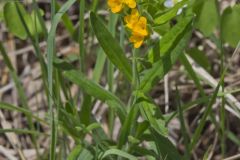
{"type": "Point", "coordinates": [151, 113]}
{"type": "Point", "coordinates": [34, 23]}
{"type": "Point", "coordinates": [141, 128]}
{"type": "Point", "coordinates": [89, 86]}
{"type": "Point", "coordinates": [111, 46]}
{"type": "Point", "coordinates": [157, 124]}
{"type": "Point", "coordinates": [2, 4]}
{"type": "Point", "coordinates": [85, 154]}
{"type": "Point", "coordinates": [92, 127]}
{"type": "Point", "coordinates": [13, 21]}
{"type": "Point", "coordinates": [207, 16]}
{"type": "Point", "coordinates": [126, 128]}
{"type": "Point", "coordinates": [95, 90]}
{"type": "Point", "coordinates": [75, 153]}
{"type": "Point", "coordinates": [62, 64]}
{"type": "Point", "coordinates": [144, 152]}
{"type": "Point", "coordinates": [230, 25]}
{"type": "Point", "coordinates": [50, 55]}
{"type": "Point", "coordinates": [19, 131]}
{"type": "Point", "coordinates": [170, 39]}
{"type": "Point", "coordinates": [163, 18]}
{"type": "Point", "coordinates": [167, 150]}
{"type": "Point", "coordinates": [20, 110]}
{"type": "Point", "coordinates": [192, 74]}
{"type": "Point", "coordinates": [66, 20]}
{"type": "Point", "coordinates": [163, 65]}
{"type": "Point", "coordinates": [119, 153]}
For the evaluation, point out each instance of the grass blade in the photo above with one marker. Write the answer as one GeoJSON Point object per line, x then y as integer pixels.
{"type": "Point", "coordinates": [199, 129]}
{"type": "Point", "coordinates": [119, 153]}
{"type": "Point", "coordinates": [50, 54]}
{"type": "Point", "coordinates": [21, 110]}
{"type": "Point", "coordinates": [95, 90]}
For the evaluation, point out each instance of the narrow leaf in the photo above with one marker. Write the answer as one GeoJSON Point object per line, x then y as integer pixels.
{"type": "Point", "coordinates": [162, 67]}
{"type": "Point", "coordinates": [119, 153]}
{"type": "Point", "coordinates": [111, 46]}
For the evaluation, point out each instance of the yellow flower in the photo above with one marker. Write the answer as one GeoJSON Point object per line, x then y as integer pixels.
{"type": "Point", "coordinates": [117, 5]}
{"type": "Point", "coordinates": [140, 27]}
{"type": "Point", "coordinates": [130, 3]}
{"type": "Point", "coordinates": [137, 40]}
{"type": "Point", "coordinates": [139, 32]}
{"type": "Point", "coordinates": [132, 18]}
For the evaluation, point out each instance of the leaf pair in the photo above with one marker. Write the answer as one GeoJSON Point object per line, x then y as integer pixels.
{"type": "Point", "coordinates": [12, 11]}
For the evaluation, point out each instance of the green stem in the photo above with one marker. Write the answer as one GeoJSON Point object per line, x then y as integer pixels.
{"type": "Point", "coordinates": [85, 114]}
{"type": "Point", "coordinates": [81, 36]}
{"type": "Point", "coordinates": [94, 5]}
{"type": "Point", "coordinates": [222, 109]}
{"type": "Point", "coordinates": [110, 73]}
{"type": "Point", "coordinates": [50, 54]}
{"type": "Point", "coordinates": [135, 82]}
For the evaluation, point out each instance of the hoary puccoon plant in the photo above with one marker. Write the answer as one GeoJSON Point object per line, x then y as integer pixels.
{"type": "Point", "coordinates": [139, 41]}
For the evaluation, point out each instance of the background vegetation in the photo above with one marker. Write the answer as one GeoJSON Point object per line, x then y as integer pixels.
{"type": "Point", "coordinates": [72, 85]}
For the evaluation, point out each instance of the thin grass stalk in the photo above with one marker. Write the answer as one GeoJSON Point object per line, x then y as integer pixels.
{"type": "Point", "coordinates": [86, 104]}
{"type": "Point", "coordinates": [206, 113]}
{"type": "Point", "coordinates": [183, 127]}
{"type": "Point", "coordinates": [37, 41]}
{"type": "Point", "coordinates": [20, 90]}
{"type": "Point", "coordinates": [136, 80]}
{"type": "Point", "coordinates": [36, 47]}
{"type": "Point", "coordinates": [41, 20]}
{"type": "Point", "coordinates": [50, 54]}
{"type": "Point", "coordinates": [94, 5]}
{"type": "Point", "coordinates": [81, 36]}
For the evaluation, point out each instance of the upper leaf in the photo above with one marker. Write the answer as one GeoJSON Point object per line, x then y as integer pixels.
{"type": "Point", "coordinates": [111, 46]}
{"type": "Point", "coordinates": [230, 25]}
{"type": "Point", "coordinates": [13, 20]}
{"type": "Point", "coordinates": [207, 16]}
{"type": "Point", "coordinates": [171, 52]}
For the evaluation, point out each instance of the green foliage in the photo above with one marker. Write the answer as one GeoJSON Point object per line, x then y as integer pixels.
{"type": "Point", "coordinates": [162, 67]}
{"type": "Point", "coordinates": [207, 16]}
{"type": "Point", "coordinates": [12, 19]}
{"type": "Point", "coordinates": [120, 153]}
{"type": "Point", "coordinates": [143, 126]}
{"type": "Point", "coordinates": [230, 24]}
{"type": "Point", "coordinates": [163, 18]}
{"type": "Point", "coordinates": [111, 47]}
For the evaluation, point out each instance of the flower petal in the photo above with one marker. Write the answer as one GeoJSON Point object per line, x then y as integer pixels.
{"type": "Point", "coordinates": [115, 5]}
{"type": "Point", "coordinates": [131, 3]}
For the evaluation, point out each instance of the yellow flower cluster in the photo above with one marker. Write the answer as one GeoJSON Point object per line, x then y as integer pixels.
{"type": "Point", "coordinates": [117, 5]}
{"type": "Point", "coordinates": [136, 23]}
